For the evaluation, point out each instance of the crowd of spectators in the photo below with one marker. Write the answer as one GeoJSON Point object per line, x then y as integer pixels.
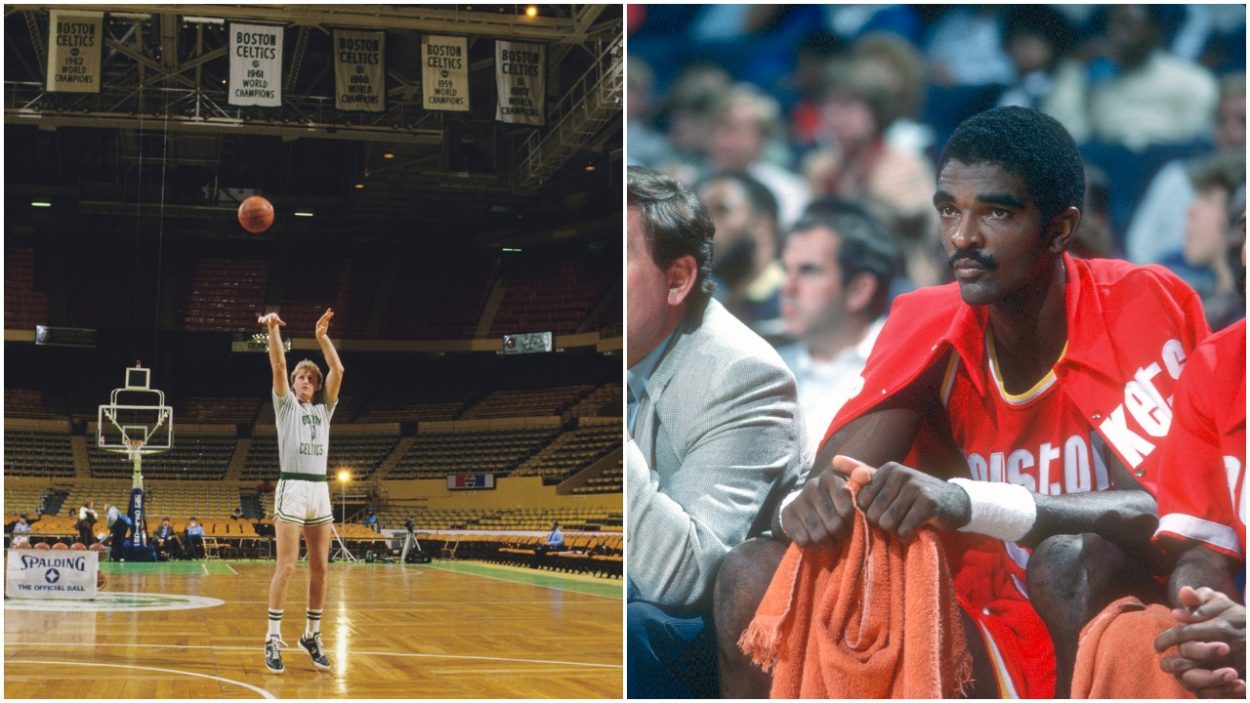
{"type": "Point", "coordinates": [769, 111]}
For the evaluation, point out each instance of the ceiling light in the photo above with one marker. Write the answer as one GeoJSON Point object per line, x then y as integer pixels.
{"type": "Point", "coordinates": [360, 186]}
{"type": "Point", "coordinates": [300, 213]}
{"type": "Point", "coordinates": [531, 11]}
{"type": "Point", "coordinates": [388, 155]}
{"type": "Point", "coordinates": [40, 203]}
{"type": "Point", "coordinates": [589, 167]}
{"type": "Point", "coordinates": [511, 249]}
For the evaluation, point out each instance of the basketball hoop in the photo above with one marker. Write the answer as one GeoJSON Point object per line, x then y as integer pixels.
{"type": "Point", "coordinates": [134, 447]}
{"type": "Point", "coordinates": [136, 421]}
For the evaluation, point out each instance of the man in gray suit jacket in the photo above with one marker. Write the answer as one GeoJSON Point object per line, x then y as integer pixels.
{"type": "Point", "coordinates": [714, 438]}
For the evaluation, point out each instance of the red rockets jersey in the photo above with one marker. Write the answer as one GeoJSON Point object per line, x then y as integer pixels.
{"type": "Point", "coordinates": [1038, 438]}
{"type": "Point", "coordinates": [1203, 462]}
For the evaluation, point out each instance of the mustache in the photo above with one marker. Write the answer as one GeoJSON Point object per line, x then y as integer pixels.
{"type": "Point", "coordinates": [975, 255]}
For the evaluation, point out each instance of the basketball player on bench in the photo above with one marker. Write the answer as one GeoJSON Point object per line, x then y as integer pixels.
{"type": "Point", "coordinates": [1038, 375]}
{"type": "Point", "coordinates": [302, 500]}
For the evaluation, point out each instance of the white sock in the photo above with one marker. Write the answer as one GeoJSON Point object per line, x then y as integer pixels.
{"type": "Point", "coordinates": [314, 623]}
{"type": "Point", "coordinates": [275, 624]}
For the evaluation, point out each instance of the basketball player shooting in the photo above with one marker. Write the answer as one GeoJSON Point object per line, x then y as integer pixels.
{"type": "Point", "coordinates": [302, 501]}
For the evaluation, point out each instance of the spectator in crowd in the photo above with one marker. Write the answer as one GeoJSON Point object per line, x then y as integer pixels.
{"type": "Point", "coordinates": [850, 22]}
{"type": "Point", "coordinates": [744, 258]}
{"type": "Point", "coordinates": [167, 540]}
{"type": "Point", "coordinates": [965, 47]}
{"type": "Point", "coordinates": [1153, 96]}
{"type": "Point", "coordinates": [861, 101]}
{"type": "Point", "coordinates": [906, 69]}
{"type": "Point", "coordinates": [1212, 238]}
{"type": "Point", "coordinates": [237, 514]}
{"type": "Point", "coordinates": [812, 58]}
{"type": "Point", "coordinates": [553, 542]}
{"type": "Point", "coordinates": [118, 524]}
{"type": "Point", "coordinates": [838, 271]}
{"type": "Point", "coordinates": [1213, 35]}
{"type": "Point", "coordinates": [746, 137]}
{"type": "Point", "coordinates": [87, 518]}
{"type": "Point", "coordinates": [713, 438]}
{"type": "Point", "coordinates": [555, 538]}
{"type": "Point", "coordinates": [690, 109]}
{"type": "Point", "coordinates": [371, 521]}
{"type": "Point", "coordinates": [21, 531]}
{"type": "Point", "coordinates": [1159, 220]}
{"type": "Point", "coordinates": [646, 146]}
{"type": "Point", "coordinates": [1094, 238]}
{"type": "Point", "coordinates": [1039, 40]}
{"type": "Point", "coordinates": [195, 538]}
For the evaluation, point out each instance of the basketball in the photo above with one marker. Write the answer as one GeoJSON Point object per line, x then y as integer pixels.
{"type": "Point", "coordinates": [60, 545]}
{"type": "Point", "coordinates": [256, 214]}
{"type": "Point", "coordinates": [97, 547]}
{"type": "Point", "coordinates": [42, 545]}
{"type": "Point", "coordinates": [77, 546]}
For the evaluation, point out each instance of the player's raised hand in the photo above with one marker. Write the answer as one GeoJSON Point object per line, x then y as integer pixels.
{"type": "Point", "coordinates": [270, 320]}
{"type": "Point", "coordinates": [323, 324]}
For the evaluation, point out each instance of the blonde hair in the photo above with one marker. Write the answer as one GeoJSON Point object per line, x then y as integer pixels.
{"type": "Point", "coordinates": [307, 364]}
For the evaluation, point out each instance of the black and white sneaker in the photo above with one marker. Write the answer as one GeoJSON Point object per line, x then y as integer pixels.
{"type": "Point", "coordinates": [273, 655]}
{"type": "Point", "coordinates": [312, 645]}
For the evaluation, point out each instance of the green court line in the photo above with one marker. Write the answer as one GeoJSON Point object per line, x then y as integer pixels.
{"type": "Point", "coordinates": [181, 568]}
{"type": "Point", "coordinates": [546, 579]}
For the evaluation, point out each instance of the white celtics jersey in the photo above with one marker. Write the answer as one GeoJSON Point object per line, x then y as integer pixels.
{"type": "Point", "coordinates": [303, 434]}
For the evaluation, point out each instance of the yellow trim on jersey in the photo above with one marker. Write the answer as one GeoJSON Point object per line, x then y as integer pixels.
{"type": "Point", "coordinates": [948, 379]}
{"type": "Point", "coordinates": [1038, 388]}
{"type": "Point", "coordinates": [1006, 687]}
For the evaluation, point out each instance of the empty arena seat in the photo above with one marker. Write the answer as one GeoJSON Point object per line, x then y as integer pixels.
{"type": "Point", "coordinates": [32, 453]}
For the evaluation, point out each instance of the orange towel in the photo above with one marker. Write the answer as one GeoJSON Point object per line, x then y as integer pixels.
{"type": "Point", "coordinates": [868, 618]}
{"type": "Point", "coordinates": [1116, 658]}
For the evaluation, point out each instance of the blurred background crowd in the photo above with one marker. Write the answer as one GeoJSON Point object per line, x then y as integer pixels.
{"type": "Point", "coordinates": [792, 120]}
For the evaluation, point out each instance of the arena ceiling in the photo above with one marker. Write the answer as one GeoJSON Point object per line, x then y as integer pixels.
{"type": "Point", "coordinates": [160, 141]}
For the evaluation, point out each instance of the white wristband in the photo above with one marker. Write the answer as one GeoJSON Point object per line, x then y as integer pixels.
{"type": "Point", "coordinates": [1002, 510]}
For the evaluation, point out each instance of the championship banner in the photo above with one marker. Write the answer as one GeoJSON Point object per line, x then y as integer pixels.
{"type": "Point", "coordinates": [255, 65]}
{"type": "Point", "coordinates": [445, 73]}
{"type": "Point", "coordinates": [359, 71]}
{"type": "Point", "coordinates": [520, 79]}
{"type": "Point", "coordinates": [75, 40]}
{"type": "Point", "coordinates": [51, 573]}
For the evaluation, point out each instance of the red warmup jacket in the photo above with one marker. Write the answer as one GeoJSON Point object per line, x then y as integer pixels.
{"type": "Point", "coordinates": [1129, 331]}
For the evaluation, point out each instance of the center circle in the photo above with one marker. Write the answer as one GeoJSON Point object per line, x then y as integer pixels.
{"type": "Point", "coordinates": [116, 601]}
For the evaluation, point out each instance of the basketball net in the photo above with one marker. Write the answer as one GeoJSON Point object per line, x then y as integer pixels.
{"type": "Point", "coordinates": [134, 449]}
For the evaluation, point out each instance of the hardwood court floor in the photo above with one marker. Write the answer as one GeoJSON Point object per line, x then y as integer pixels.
{"type": "Point", "coordinates": [447, 630]}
